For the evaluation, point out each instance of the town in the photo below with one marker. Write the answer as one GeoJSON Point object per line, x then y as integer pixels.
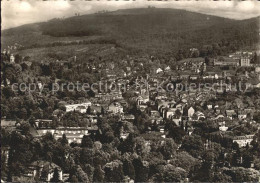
{"type": "Point", "coordinates": [177, 131]}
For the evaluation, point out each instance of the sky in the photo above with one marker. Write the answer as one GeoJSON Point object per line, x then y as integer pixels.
{"type": "Point", "coordinates": [19, 12]}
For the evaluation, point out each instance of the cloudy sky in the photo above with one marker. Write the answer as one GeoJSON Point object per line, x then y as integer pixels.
{"type": "Point", "coordinates": [19, 12]}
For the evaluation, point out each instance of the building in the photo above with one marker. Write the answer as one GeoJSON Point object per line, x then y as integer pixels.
{"type": "Point", "coordinates": [128, 117]}
{"type": "Point", "coordinates": [12, 58]}
{"type": "Point", "coordinates": [37, 168]}
{"type": "Point", "coordinates": [191, 111]}
{"type": "Point", "coordinates": [169, 113]}
{"type": "Point", "coordinates": [43, 123]}
{"type": "Point", "coordinates": [242, 141]}
{"type": "Point", "coordinates": [231, 114]}
{"type": "Point", "coordinates": [245, 61]}
{"type": "Point", "coordinates": [158, 70]}
{"type": "Point", "coordinates": [222, 126]}
{"type": "Point", "coordinates": [115, 108]}
{"type": "Point", "coordinates": [44, 131]}
{"type": "Point", "coordinates": [9, 124]}
{"type": "Point", "coordinates": [82, 107]}
{"type": "Point", "coordinates": [73, 134]}
{"type": "Point", "coordinates": [257, 69]}
{"type": "Point", "coordinates": [221, 61]}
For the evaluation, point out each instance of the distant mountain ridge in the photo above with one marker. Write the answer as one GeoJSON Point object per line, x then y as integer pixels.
{"type": "Point", "coordinates": [144, 29]}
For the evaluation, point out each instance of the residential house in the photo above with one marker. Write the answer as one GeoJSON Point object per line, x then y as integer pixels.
{"type": "Point", "coordinates": [43, 123]}
{"type": "Point", "coordinates": [225, 61]}
{"type": "Point", "coordinates": [158, 70]}
{"type": "Point", "coordinates": [142, 107]}
{"type": "Point", "coordinates": [257, 69]}
{"type": "Point", "coordinates": [74, 107]}
{"type": "Point", "coordinates": [231, 114]}
{"type": "Point", "coordinates": [222, 126]}
{"type": "Point", "coordinates": [180, 106]}
{"type": "Point", "coordinates": [194, 77]}
{"type": "Point", "coordinates": [167, 69]}
{"type": "Point", "coordinates": [5, 152]}
{"type": "Point", "coordinates": [245, 61]}
{"type": "Point", "coordinates": [81, 109]}
{"type": "Point", "coordinates": [43, 171]}
{"type": "Point", "coordinates": [12, 58]}
{"type": "Point", "coordinates": [128, 117]}
{"type": "Point", "coordinates": [176, 118]}
{"type": "Point", "coordinates": [198, 116]}
{"type": "Point", "coordinates": [115, 108]}
{"type": "Point", "coordinates": [243, 140]}
{"type": "Point", "coordinates": [191, 111]}
{"type": "Point", "coordinates": [169, 113]}
{"type": "Point", "coordinates": [185, 75]}
{"type": "Point", "coordinates": [242, 115]}
{"type": "Point", "coordinates": [9, 124]}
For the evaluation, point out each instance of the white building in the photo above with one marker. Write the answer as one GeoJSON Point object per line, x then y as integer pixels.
{"type": "Point", "coordinates": [82, 107]}
{"type": "Point", "coordinates": [73, 134]}
{"type": "Point", "coordinates": [245, 61]}
{"type": "Point", "coordinates": [115, 108]}
{"type": "Point", "coordinates": [159, 70]}
{"type": "Point", "coordinates": [12, 59]}
{"type": "Point", "coordinates": [243, 140]}
{"type": "Point", "coordinates": [191, 111]}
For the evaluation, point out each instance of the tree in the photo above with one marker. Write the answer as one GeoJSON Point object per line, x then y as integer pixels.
{"type": "Point", "coordinates": [193, 145]}
{"type": "Point", "coordinates": [56, 177]}
{"type": "Point", "coordinates": [88, 110]}
{"type": "Point", "coordinates": [129, 169]}
{"type": "Point", "coordinates": [86, 142]}
{"type": "Point", "coordinates": [74, 179]}
{"type": "Point", "coordinates": [32, 121]}
{"type": "Point", "coordinates": [128, 144]}
{"type": "Point", "coordinates": [185, 161]}
{"type": "Point", "coordinates": [18, 58]}
{"type": "Point", "coordinates": [23, 113]}
{"type": "Point", "coordinates": [141, 148]}
{"type": "Point", "coordinates": [8, 92]}
{"type": "Point", "coordinates": [175, 132]}
{"type": "Point", "coordinates": [240, 174]}
{"type": "Point", "coordinates": [98, 174]}
{"type": "Point", "coordinates": [82, 176]}
{"type": "Point", "coordinates": [44, 173]}
{"type": "Point", "coordinates": [168, 148]}
{"type": "Point", "coordinates": [141, 170]}
{"type": "Point", "coordinates": [174, 174]}
{"type": "Point", "coordinates": [247, 159]}
{"type": "Point", "coordinates": [64, 140]}
{"type": "Point", "coordinates": [114, 171]}
{"type": "Point", "coordinates": [25, 127]}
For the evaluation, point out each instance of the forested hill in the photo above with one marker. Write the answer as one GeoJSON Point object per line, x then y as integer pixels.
{"type": "Point", "coordinates": [147, 29]}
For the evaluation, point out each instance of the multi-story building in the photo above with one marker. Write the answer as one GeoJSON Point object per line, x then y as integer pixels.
{"type": "Point", "coordinates": [245, 61]}
{"type": "Point", "coordinates": [73, 134]}
{"type": "Point", "coordinates": [243, 140]}
{"type": "Point", "coordinates": [78, 107]}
